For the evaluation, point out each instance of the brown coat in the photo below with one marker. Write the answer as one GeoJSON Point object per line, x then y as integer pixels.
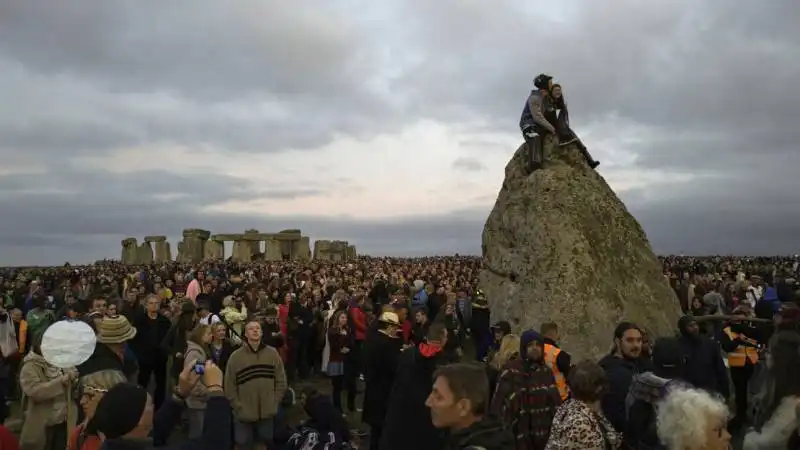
{"type": "Point", "coordinates": [44, 401]}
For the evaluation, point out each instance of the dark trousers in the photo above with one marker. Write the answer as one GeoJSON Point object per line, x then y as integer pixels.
{"type": "Point", "coordinates": [157, 368]}
{"type": "Point", "coordinates": [297, 364]}
{"type": "Point", "coordinates": [352, 369]}
{"type": "Point", "coordinates": [740, 377]}
{"type": "Point", "coordinates": [337, 385]}
{"type": "Point", "coordinates": [375, 432]}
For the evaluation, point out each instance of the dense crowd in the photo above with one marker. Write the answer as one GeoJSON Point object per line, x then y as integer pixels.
{"type": "Point", "coordinates": [219, 354]}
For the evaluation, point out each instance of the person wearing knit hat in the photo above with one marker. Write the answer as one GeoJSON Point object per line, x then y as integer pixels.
{"type": "Point", "coordinates": [113, 333]}
{"type": "Point", "coordinates": [115, 330]}
{"type": "Point", "coordinates": [528, 387]}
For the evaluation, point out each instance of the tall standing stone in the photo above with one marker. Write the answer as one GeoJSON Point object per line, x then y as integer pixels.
{"type": "Point", "coordinates": [242, 251]}
{"type": "Point", "coordinates": [160, 247]}
{"type": "Point", "coordinates": [144, 253]}
{"type": "Point", "coordinates": [253, 236]}
{"type": "Point", "coordinates": [272, 250]}
{"type": "Point", "coordinates": [301, 249]}
{"type": "Point", "coordinates": [194, 241]}
{"type": "Point", "coordinates": [215, 249]}
{"type": "Point", "coordinates": [560, 246]}
{"type": "Point", "coordinates": [129, 251]}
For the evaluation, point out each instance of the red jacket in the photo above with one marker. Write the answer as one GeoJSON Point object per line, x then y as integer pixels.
{"type": "Point", "coordinates": [7, 440]}
{"type": "Point", "coordinates": [359, 322]}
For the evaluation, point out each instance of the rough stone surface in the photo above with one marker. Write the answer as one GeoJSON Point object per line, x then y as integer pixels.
{"type": "Point", "coordinates": [144, 253]}
{"type": "Point", "coordinates": [302, 249]}
{"type": "Point", "coordinates": [192, 248]}
{"type": "Point", "coordinates": [560, 246]}
{"type": "Point", "coordinates": [129, 251]}
{"type": "Point", "coordinates": [214, 249]}
{"type": "Point", "coordinates": [272, 250]}
{"type": "Point", "coordinates": [331, 250]}
{"type": "Point", "coordinates": [162, 251]}
{"type": "Point", "coordinates": [227, 237]}
{"type": "Point", "coordinates": [155, 238]}
{"type": "Point", "coordinates": [242, 251]}
{"type": "Point", "coordinates": [254, 236]}
{"type": "Point", "coordinates": [351, 253]}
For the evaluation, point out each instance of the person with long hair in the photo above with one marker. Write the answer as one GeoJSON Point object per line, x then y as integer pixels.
{"type": "Point", "coordinates": [221, 346]}
{"type": "Point", "coordinates": [341, 343]}
{"type": "Point", "coordinates": [565, 133]}
{"type": "Point", "coordinates": [197, 352]}
{"type": "Point", "coordinates": [509, 349]}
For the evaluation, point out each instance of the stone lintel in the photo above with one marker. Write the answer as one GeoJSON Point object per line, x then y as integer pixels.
{"type": "Point", "coordinates": [196, 233]}
{"type": "Point", "coordinates": [129, 241]}
{"type": "Point", "coordinates": [228, 237]}
{"type": "Point", "coordinates": [155, 238]}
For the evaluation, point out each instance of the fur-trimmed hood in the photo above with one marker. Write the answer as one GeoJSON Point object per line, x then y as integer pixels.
{"type": "Point", "coordinates": [775, 434]}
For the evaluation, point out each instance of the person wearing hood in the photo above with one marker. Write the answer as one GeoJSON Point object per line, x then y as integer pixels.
{"type": "Point", "coordinates": [407, 424]}
{"type": "Point", "coordinates": [705, 368]}
{"type": "Point", "coordinates": [255, 382]}
{"type": "Point", "coordinates": [459, 403]}
{"type": "Point", "coordinates": [647, 389]}
{"type": "Point", "coordinates": [624, 362]}
{"type": "Point", "coordinates": [527, 396]}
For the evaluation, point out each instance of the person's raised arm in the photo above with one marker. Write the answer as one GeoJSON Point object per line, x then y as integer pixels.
{"type": "Point", "coordinates": [169, 414]}
{"type": "Point", "coordinates": [217, 422]}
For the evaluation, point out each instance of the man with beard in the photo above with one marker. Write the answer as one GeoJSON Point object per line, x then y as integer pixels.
{"type": "Point", "coordinates": [620, 366]}
{"type": "Point", "coordinates": [381, 350]}
{"type": "Point", "coordinates": [407, 424]}
{"type": "Point", "coordinates": [527, 397]}
{"type": "Point", "coordinates": [705, 368]}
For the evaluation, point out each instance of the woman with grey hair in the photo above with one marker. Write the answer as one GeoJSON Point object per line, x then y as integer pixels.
{"type": "Point", "coordinates": [693, 419]}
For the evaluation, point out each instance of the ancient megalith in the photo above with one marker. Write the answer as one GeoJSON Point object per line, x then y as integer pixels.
{"type": "Point", "coordinates": [129, 251]}
{"type": "Point", "coordinates": [215, 248]}
{"type": "Point", "coordinates": [560, 246]}
{"type": "Point", "coordinates": [161, 248]}
{"type": "Point", "coordinates": [192, 248]}
{"type": "Point", "coordinates": [144, 253]}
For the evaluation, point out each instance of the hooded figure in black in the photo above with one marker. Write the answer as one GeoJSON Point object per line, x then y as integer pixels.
{"type": "Point", "coordinates": [705, 368]}
{"type": "Point", "coordinates": [407, 424]}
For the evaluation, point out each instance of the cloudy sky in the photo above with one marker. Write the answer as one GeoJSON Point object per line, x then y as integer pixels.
{"type": "Point", "coordinates": [386, 123]}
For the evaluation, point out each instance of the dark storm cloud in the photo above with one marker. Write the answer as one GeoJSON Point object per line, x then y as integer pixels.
{"type": "Point", "coordinates": [714, 81]}
{"type": "Point", "coordinates": [468, 164]}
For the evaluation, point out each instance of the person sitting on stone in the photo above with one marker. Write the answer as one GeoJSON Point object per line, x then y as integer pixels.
{"type": "Point", "coordinates": [534, 121]}
{"type": "Point", "coordinates": [563, 130]}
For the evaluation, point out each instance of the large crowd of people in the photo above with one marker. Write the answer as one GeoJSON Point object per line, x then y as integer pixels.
{"type": "Point", "coordinates": [393, 354]}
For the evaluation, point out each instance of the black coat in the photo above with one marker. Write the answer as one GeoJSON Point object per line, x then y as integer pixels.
{"type": "Point", "coordinates": [380, 367]}
{"type": "Point", "coordinates": [408, 421]}
{"type": "Point", "coordinates": [146, 345]}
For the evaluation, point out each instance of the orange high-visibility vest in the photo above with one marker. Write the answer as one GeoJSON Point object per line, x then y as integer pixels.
{"type": "Point", "coordinates": [550, 357]}
{"type": "Point", "coordinates": [740, 356]}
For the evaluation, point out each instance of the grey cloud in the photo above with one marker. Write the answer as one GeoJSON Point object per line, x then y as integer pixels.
{"type": "Point", "coordinates": [468, 164]}
{"type": "Point", "coordinates": [712, 80]}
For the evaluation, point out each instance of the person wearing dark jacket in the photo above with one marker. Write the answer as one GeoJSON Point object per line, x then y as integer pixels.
{"type": "Point", "coordinates": [151, 329]}
{"type": "Point", "coordinates": [647, 389]}
{"type": "Point", "coordinates": [480, 326]}
{"type": "Point", "coordinates": [407, 424]}
{"type": "Point", "coordinates": [526, 397]}
{"type": "Point", "coordinates": [621, 366]}
{"type": "Point", "coordinates": [421, 325]}
{"type": "Point", "coordinates": [125, 416]}
{"type": "Point", "coordinates": [301, 321]}
{"type": "Point", "coordinates": [705, 368]}
{"type": "Point", "coordinates": [174, 343]}
{"type": "Point", "coordinates": [459, 403]}
{"type": "Point", "coordinates": [381, 352]}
